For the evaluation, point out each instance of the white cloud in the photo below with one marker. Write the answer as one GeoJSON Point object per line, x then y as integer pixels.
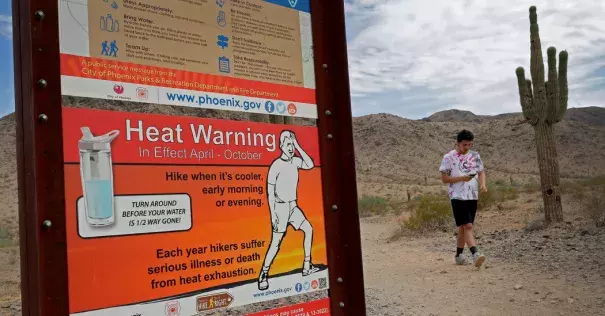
{"type": "Point", "coordinates": [412, 57]}
{"type": "Point", "coordinates": [6, 26]}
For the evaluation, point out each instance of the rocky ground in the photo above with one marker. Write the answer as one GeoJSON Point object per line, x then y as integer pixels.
{"type": "Point", "coordinates": [530, 270]}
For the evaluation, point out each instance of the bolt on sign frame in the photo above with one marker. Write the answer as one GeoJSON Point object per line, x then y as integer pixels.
{"type": "Point", "coordinates": [42, 219]}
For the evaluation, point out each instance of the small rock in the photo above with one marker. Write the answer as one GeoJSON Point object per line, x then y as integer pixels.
{"type": "Point", "coordinates": [443, 272]}
{"type": "Point", "coordinates": [512, 300]}
{"type": "Point", "coordinates": [537, 301]}
{"type": "Point", "coordinates": [518, 287]}
{"type": "Point", "coordinates": [535, 225]}
{"type": "Point", "coordinates": [570, 300]}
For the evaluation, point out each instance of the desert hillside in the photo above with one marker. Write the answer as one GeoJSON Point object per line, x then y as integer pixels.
{"type": "Point", "coordinates": [394, 153]}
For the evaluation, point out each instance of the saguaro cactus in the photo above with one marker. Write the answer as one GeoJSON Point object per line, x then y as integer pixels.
{"type": "Point", "coordinates": [543, 106]}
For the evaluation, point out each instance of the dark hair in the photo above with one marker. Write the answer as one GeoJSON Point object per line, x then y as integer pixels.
{"type": "Point", "coordinates": [465, 135]}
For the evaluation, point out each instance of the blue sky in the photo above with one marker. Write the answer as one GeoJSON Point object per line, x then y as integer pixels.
{"type": "Point", "coordinates": [412, 59]}
{"type": "Point", "coordinates": [7, 96]}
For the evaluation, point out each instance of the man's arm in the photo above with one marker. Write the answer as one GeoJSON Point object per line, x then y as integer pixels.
{"type": "Point", "coordinates": [271, 197]}
{"type": "Point", "coordinates": [445, 178]}
{"type": "Point", "coordinates": [446, 170]}
{"type": "Point", "coordinates": [307, 161]}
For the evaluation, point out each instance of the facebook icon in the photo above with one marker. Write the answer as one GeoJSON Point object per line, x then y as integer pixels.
{"type": "Point", "coordinates": [269, 106]}
{"type": "Point", "coordinates": [298, 287]}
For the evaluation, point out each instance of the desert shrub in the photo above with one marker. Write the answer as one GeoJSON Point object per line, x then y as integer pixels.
{"type": "Point", "coordinates": [596, 181]}
{"type": "Point", "coordinates": [372, 205]}
{"type": "Point", "coordinates": [594, 205]}
{"type": "Point", "coordinates": [5, 240]}
{"type": "Point", "coordinates": [4, 234]}
{"type": "Point", "coordinates": [430, 213]}
{"type": "Point", "coordinates": [532, 187]}
{"type": "Point", "coordinates": [496, 193]}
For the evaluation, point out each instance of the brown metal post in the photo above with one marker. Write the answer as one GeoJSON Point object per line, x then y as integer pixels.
{"type": "Point", "coordinates": [337, 156]}
{"type": "Point", "coordinates": [40, 158]}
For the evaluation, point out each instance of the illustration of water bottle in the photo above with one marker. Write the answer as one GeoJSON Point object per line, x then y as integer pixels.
{"type": "Point", "coordinates": [97, 177]}
{"type": "Point", "coordinates": [107, 23]}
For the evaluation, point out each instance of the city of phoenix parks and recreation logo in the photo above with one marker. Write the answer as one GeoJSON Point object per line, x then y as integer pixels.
{"type": "Point", "coordinates": [142, 93]}
{"type": "Point", "coordinates": [173, 309]}
{"type": "Point", "coordinates": [293, 3]}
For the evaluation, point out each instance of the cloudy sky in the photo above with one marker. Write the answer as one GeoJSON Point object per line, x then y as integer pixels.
{"type": "Point", "coordinates": [415, 57]}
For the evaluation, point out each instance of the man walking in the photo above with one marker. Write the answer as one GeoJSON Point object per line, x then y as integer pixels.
{"type": "Point", "coordinates": [282, 185]}
{"type": "Point", "coordinates": [460, 169]}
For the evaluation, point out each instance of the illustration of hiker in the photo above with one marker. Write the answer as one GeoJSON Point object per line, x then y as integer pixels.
{"type": "Point", "coordinates": [104, 49]}
{"type": "Point", "coordinates": [114, 49]}
{"type": "Point", "coordinates": [282, 185]}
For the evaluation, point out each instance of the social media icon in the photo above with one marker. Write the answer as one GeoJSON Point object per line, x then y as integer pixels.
{"type": "Point", "coordinates": [280, 107]}
{"type": "Point", "coordinates": [269, 106]}
{"type": "Point", "coordinates": [298, 287]}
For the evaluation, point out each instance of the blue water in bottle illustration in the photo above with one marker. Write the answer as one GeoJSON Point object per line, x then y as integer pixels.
{"type": "Point", "coordinates": [97, 177]}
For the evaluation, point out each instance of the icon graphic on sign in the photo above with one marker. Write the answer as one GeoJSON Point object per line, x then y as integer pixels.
{"type": "Point", "coordinates": [220, 3]}
{"type": "Point", "coordinates": [213, 301]}
{"type": "Point", "coordinates": [223, 64]}
{"type": "Point", "coordinates": [109, 24]}
{"type": "Point", "coordinates": [118, 88]}
{"type": "Point", "coordinates": [292, 108]}
{"type": "Point", "coordinates": [298, 287]}
{"type": "Point", "coordinates": [109, 49]}
{"type": "Point", "coordinates": [142, 93]}
{"type": "Point", "coordinates": [269, 106]}
{"type": "Point", "coordinates": [282, 185]}
{"type": "Point", "coordinates": [221, 19]}
{"type": "Point", "coordinates": [173, 309]}
{"type": "Point", "coordinates": [293, 3]}
{"type": "Point", "coordinates": [223, 41]}
{"type": "Point", "coordinates": [307, 286]}
{"type": "Point", "coordinates": [113, 5]}
{"type": "Point", "coordinates": [281, 107]}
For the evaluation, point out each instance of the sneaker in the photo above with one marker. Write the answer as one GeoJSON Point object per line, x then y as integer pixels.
{"type": "Point", "coordinates": [460, 260]}
{"type": "Point", "coordinates": [478, 258]}
{"type": "Point", "coordinates": [309, 268]}
{"type": "Point", "coordinates": [263, 283]}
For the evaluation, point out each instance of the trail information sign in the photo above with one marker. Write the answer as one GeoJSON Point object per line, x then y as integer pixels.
{"type": "Point", "coordinates": [157, 175]}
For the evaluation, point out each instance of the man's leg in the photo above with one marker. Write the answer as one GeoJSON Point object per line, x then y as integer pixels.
{"type": "Point", "coordinates": [459, 219]}
{"type": "Point", "coordinates": [308, 241]}
{"type": "Point", "coordinates": [299, 221]}
{"type": "Point", "coordinates": [280, 224]}
{"type": "Point", "coordinates": [276, 239]}
{"type": "Point", "coordinates": [469, 236]}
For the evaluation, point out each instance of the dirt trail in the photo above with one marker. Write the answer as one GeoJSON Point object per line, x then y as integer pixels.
{"type": "Point", "coordinates": [418, 277]}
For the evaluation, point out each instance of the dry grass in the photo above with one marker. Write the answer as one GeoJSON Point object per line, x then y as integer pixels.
{"type": "Point", "coordinates": [430, 213]}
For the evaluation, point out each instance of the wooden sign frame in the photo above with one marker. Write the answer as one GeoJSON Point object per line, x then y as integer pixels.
{"type": "Point", "coordinates": [44, 278]}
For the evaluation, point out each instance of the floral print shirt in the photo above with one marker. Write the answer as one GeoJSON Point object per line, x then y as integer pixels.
{"type": "Point", "coordinates": [456, 165]}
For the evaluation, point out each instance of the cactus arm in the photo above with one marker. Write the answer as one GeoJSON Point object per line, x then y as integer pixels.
{"type": "Point", "coordinates": [537, 64]}
{"type": "Point", "coordinates": [552, 86]}
{"type": "Point", "coordinates": [562, 102]}
{"type": "Point", "coordinates": [525, 97]}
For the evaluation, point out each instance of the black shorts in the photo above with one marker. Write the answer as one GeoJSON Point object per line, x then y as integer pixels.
{"type": "Point", "coordinates": [464, 211]}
